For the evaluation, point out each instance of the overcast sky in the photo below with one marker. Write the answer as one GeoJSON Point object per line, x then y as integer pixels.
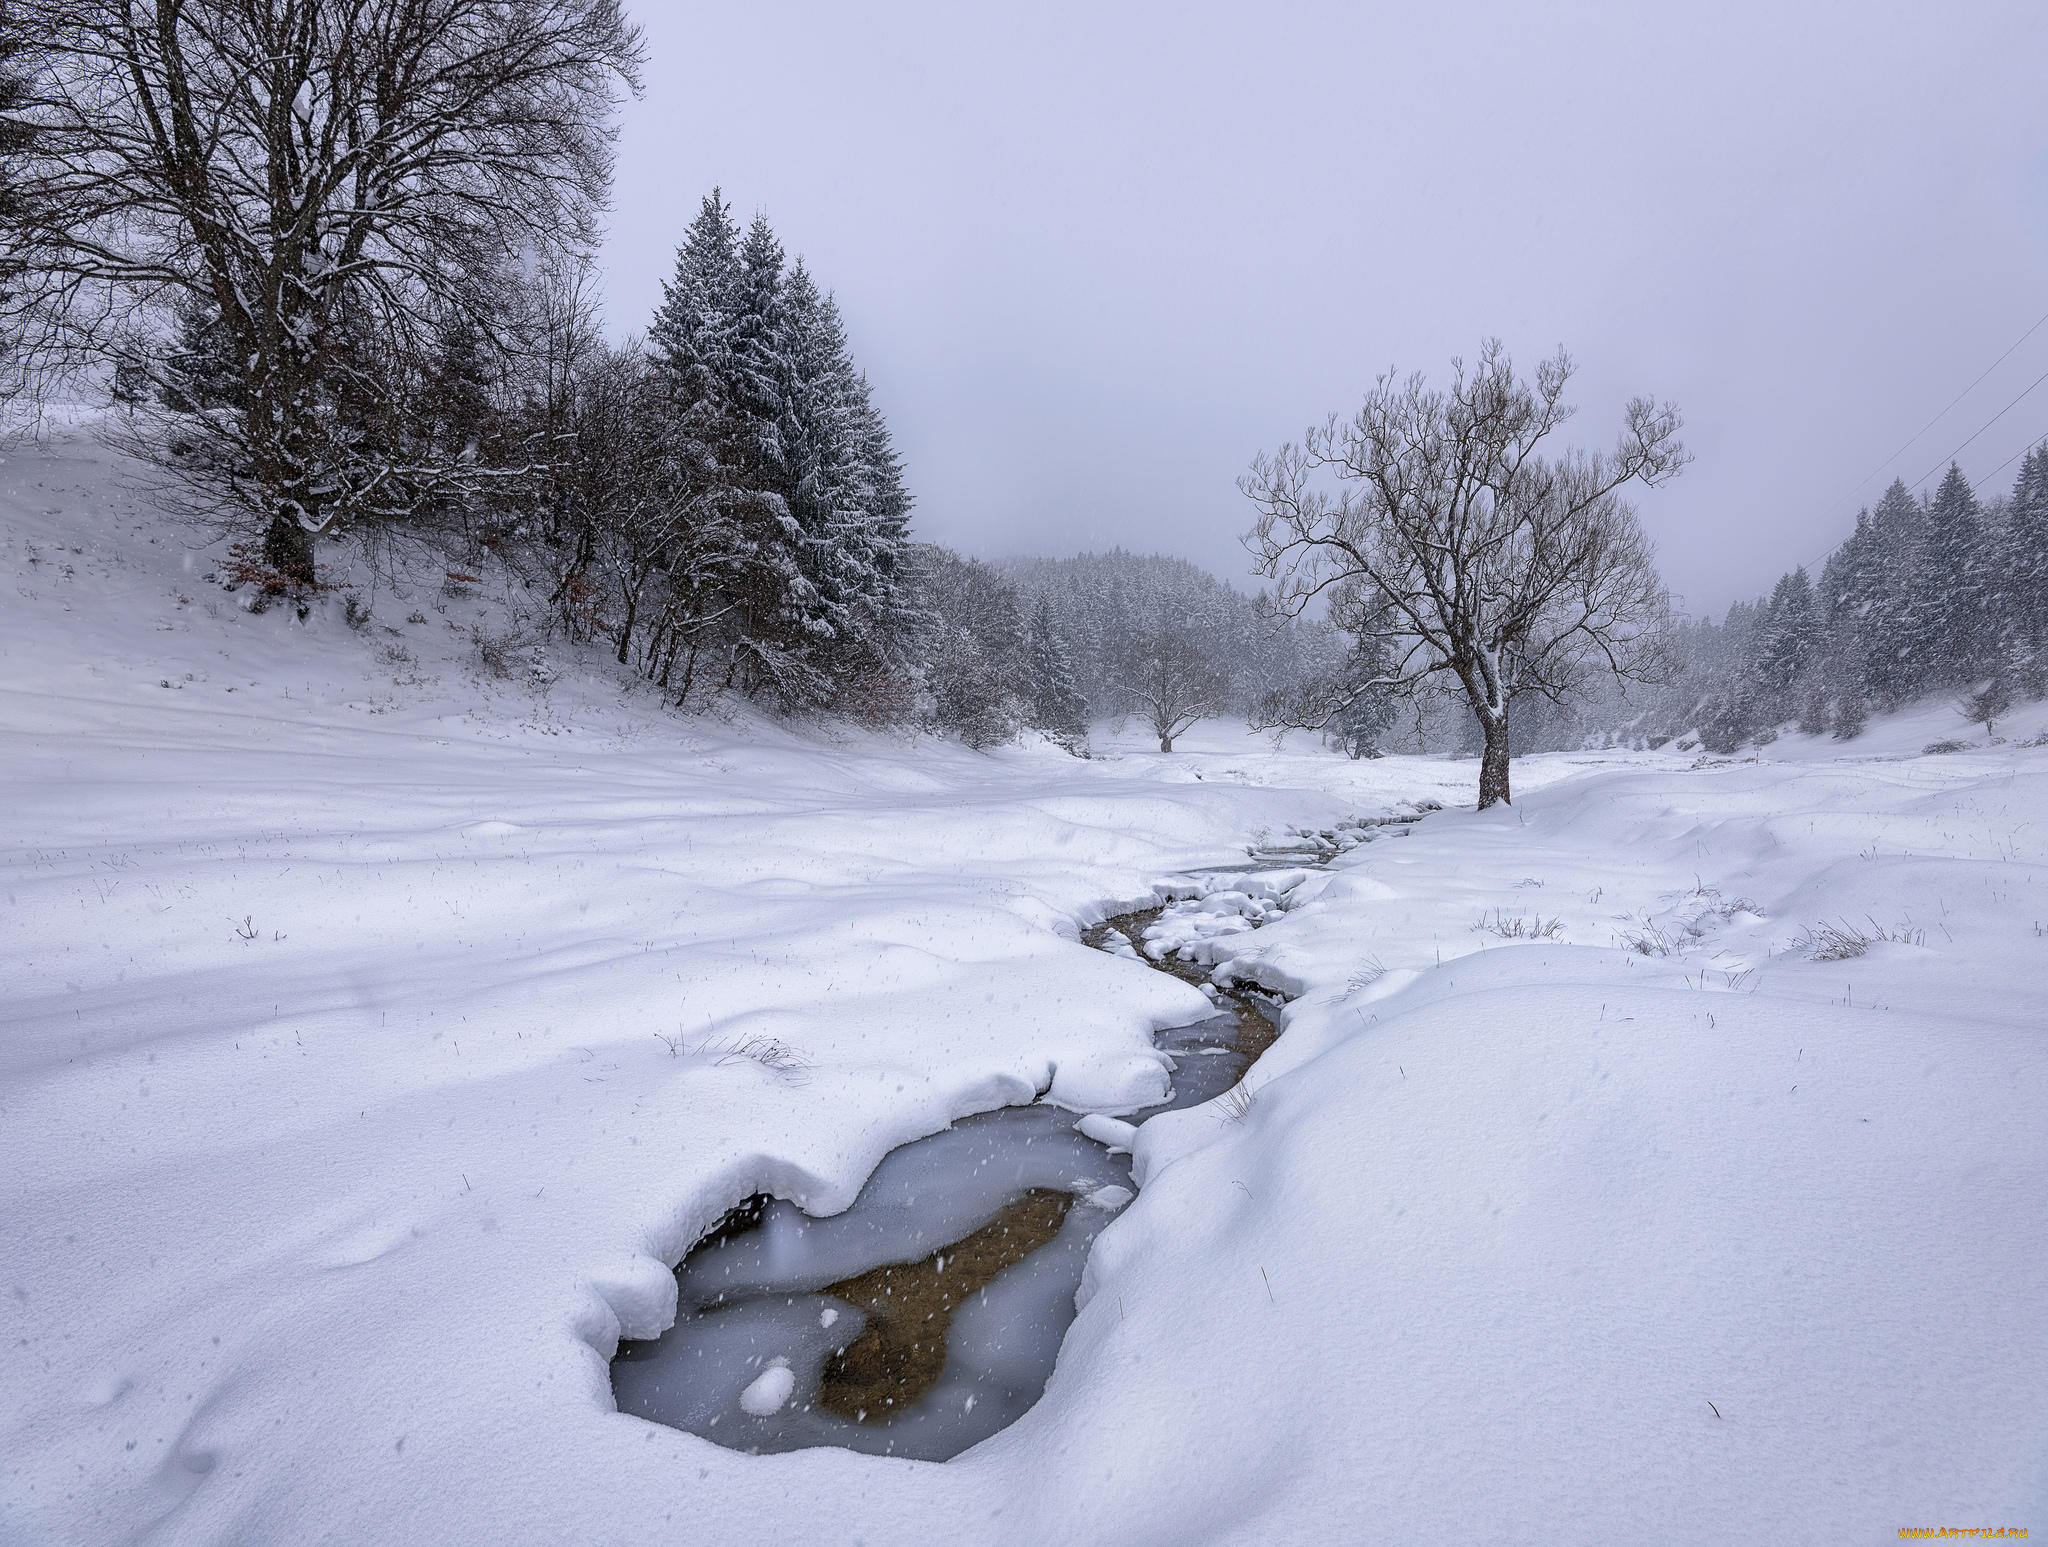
{"type": "Point", "coordinates": [1095, 256]}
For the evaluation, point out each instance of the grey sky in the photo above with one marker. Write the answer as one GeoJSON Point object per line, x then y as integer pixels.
{"type": "Point", "coordinates": [1095, 256]}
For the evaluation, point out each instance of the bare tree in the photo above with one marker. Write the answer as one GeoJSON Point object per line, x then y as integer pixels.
{"type": "Point", "coordinates": [662, 540]}
{"type": "Point", "coordinates": [1431, 519]}
{"type": "Point", "coordinates": [1984, 706]}
{"type": "Point", "coordinates": [329, 186]}
{"type": "Point", "coordinates": [1170, 682]}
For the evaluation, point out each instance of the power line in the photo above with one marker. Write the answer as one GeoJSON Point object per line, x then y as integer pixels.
{"type": "Point", "coordinates": [1908, 443]}
{"type": "Point", "coordinates": [1987, 424]}
{"type": "Point", "coordinates": [1930, 424]}
{"type": "Point", "coordinates": [2008, 462]}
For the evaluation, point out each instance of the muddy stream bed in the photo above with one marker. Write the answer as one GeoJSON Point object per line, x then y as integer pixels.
{"type": "Point", "coordinates": [929, 1315]}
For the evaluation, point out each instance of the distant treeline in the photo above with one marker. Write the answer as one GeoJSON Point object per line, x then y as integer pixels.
{"type": "Point", "coordinates": [1052, 644]}
{"type": "Point", "coordinates": [1942, 594]}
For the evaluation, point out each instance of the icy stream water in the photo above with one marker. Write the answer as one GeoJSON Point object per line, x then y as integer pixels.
{"type": "Point", "coordinates": [929, 1315]}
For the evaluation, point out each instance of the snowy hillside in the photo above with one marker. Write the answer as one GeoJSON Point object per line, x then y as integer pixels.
{"type": "Point", "coordinates": [390, 1006]}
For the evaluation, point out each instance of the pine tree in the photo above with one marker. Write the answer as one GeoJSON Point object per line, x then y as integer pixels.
{"type": "Point", "coordinates": [1897, 618]}
{"type": "Point", "coordinates": [767, 407]}
{"type": "Point", "coordinates": [844, 488]}
{"type": "Point", "coordinates": [691, 338]}
{"type": "Point", "coordinates": [2023, 566]}
{"type": "Point", "coordinates": [1844, 601]}
{"type": "Point", "coordinates": [199, 374]}
{"type": "Point", "coordinates": [1783, 648]}
{"type": "Point", "coordinates": [1367, 714]}
{"type": "Point", "coordinates": [1949, 612]}
{"type": "Point", "coordinates": [1049, 681]}
{"type": "Point", "coordinates": [819, 473]}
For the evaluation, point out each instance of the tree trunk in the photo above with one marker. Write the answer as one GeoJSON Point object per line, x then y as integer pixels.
{"type": "Point", "coordinates": [1493, 764]}
{"type": "Point", "coordinates": [288, 549]}
{"type": "Point", "coordinates": [1166, 743]}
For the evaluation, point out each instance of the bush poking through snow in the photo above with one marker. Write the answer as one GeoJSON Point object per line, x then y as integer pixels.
{"type": "Point", "coordinates": [1645, 939]}
{"type": "Point", "coordinates": [1521, 926]}
{"type": "Point", "coordinates": [1826, 942]}
{"type": "Point", "coordinates": [1235, 1102]}
{"type": "Point", "coordinates": [1943, 748]}
{"type": "Point", "coordinates": [771, 1053]}
{"type": "Point", "coordinates": [1369, 973]}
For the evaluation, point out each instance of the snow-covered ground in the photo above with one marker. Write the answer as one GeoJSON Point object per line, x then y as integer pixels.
{"type": "Point", "coordinates": [379, 1029]}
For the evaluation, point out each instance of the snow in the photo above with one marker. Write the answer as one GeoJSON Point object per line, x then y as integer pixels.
{"type": "Point", "coordinates": [767, 1392]}
{"type": "Point", "coordinates": [380, 1031]}
{"type": "Point", "coordinates": [1107, 1130]}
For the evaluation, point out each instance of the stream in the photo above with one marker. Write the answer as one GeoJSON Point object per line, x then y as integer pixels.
{"type": "Point", "coordinates": [929, 1315]}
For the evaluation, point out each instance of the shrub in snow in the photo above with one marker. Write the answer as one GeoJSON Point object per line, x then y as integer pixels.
{"type": "Point", "coordinates": [1984, 706]}
{"type": "Point", "coordinates": [1826, 942]}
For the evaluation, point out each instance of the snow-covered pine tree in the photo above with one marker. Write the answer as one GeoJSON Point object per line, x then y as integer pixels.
{"type": "Point", "coordinates": [781, 433]}
{"type": "Point", "coordinates": [1948, 631]}
{"type": "Point", "coordinates": [691, 529]}
{"type": "Point", "coordinates": [781, 632]}
{"type": "Point", "coordinates": [1844, 600]}
{"type": "Point", "coordinates": [887, 564]}
{"type": "Point", "coordinates": [691, 338]}
{"type": "Point", "coordinates": [1782, 649]}
{"type": "Point", "coordinates": [819, 469]}
{"type": "Point", "coordinates": [1361, 725]}
{"type": "Point", "coordinates": [845, 491]}
{"type": "Point", "coordinates": [198, 374]}
{"type": "Point", "coordinates": [973, 652]}
{"type": "Point", "coordinates": [2023, 566]}
{"type": "Point", "coordinates": [1056, 706]}
{"type": "Point", "coordinates": [1898, 618]}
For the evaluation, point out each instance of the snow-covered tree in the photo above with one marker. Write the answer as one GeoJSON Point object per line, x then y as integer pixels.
{"type": "Point", "coordinates": [1951, 577]}
{"type": "Point", "coordinates": [332, 181]}
{"type": "Point", "coordinates": [16, 135]}
{"type": "Point", "coordinates": [1896, 617]}
{"type": "Point", "coordinates": [1361, 723]}
{"type": "Point", "coordinates": [1171, 684]}
{"type": "Point", "coordinates": [1786, 642]}
{"type": "Point", "coordinates": [2022, 565]}
{"type": "Point", "coordinates": [781, 431]}
{"type": "Point", "coordinates": [1056, 706]}
{"type": "Point", "coordinates": [973, 651]}
{"type": "Point", "coordinates": [1101, 602]}
{"type": "Point", "coordinates": [1506, 572]}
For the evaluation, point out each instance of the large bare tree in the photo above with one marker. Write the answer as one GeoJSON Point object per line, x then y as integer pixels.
{"type": "Point", "coordinates": [1433, 520]}
{"type": "Point", "coordinates": [1167, 679]}
{"type": "Point", "coordinates": [319, 188]}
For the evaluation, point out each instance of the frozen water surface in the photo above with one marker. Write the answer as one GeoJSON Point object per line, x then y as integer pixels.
{"type": "Point", "coordinates": [929, 1315]}
{"type": "Point", "coordinates": [756, 1295]}
{"type": "Point", "coordinates": [968, 1245]}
